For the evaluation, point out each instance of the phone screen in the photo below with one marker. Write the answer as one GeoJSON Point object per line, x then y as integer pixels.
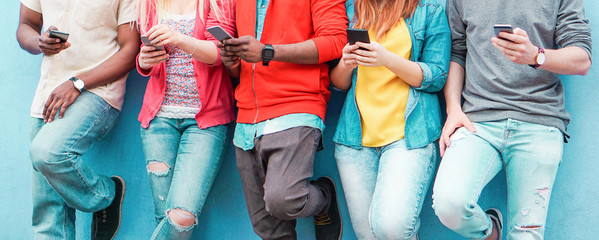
{"type": "Point", "coordinates": [60, 35]}
{"type": "Point", "coordinates": [147, 42]}
{"type": "Point", "coordinates": [357, 35]}
{"type": "Point", "coordinates": [219, 33]}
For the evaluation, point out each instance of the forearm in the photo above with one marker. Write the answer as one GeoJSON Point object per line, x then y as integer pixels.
{"type": "Point", "coordinates": [28, 38]}
{"type": "Point", "coordinates": [405, 69]}
{"type": "Point", "coordinates": [341, 77]}
{"type": "Point", "coordinates": [118, 64]}
{"type": "Point", "coordinates": [110, 70]}
{"type": "Point", "coordinates": [453, 87]}
{"type": "Point", "coordinates": [298, 53]}
{"type": "Point", "coordinates": [203, 50]}
{"type": "Point", "coordinates": [567, 61]}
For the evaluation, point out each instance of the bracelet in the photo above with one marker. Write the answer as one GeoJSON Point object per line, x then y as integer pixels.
{"type": "Point", "coordinates": [194, 49]}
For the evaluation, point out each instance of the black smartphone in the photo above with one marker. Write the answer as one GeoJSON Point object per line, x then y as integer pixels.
{"type": "Point", "coordinates": [219, 33]}
{"type": "Point", "coordinates": [63, 36]}
{"type": "Point", "coordinates": [147, 42]}
{"type": "Point", "coordinates": [503, 28]}
{"type": "Point", "coordinates": [357, 35]}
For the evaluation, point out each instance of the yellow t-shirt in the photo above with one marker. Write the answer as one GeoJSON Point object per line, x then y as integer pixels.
{"type": "Point", "coordinates": [381, 95]}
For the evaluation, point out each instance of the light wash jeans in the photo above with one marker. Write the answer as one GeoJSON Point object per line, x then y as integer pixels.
{"type": "Point", "coordinates": [194, 157]}
{"type": "Point", "coordinates": [530, 153]}
{"type": "Point", "coordinates": [385, 187]}
{"type": "Point", "coordinates": [61, 181]}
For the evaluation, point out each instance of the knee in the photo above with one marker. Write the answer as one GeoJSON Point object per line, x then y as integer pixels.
{"type": "Point", "coordinates": [181, 219]}
{"type": "Point", "coordinates": [282, 204]}
{"type": "Point", "coordinates": [392, 227]}
{"type": "Point", "coordinates": [451, 209]}
{"type": "Point", "coordinates": [46, 153]}
{"type": "Point", "coordinates": [158, 169]}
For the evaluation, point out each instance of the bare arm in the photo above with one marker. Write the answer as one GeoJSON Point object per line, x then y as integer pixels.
{"type": "Point", "coordinates": [569, 60]}
{"type": "Point", "coordinates": [453, 98]}
{"type": "Point", "coordinates": [30, 37]}
{"type": "Point", "coordinates": [110, 70]}
{"type": "Point", "coordinates": [249, 49]}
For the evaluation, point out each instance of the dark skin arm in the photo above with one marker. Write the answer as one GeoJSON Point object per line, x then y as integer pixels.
{"type": "Point", "coordinates": [249, 49]}
{"type": "Point", "coordinates": [29, 37]}
{"type": "Point", "coordinates": [110, 70]}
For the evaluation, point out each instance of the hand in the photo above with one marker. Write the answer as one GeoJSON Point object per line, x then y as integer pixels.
{"type": "Point", "coordinates": [348, 60]}
{"type": "Point", "coordinates": [62, 97]}
{"type": "Point", "coordinates": [149, 57]}
{"type": "Point", "coordinates": [375, 54]}
{"type": "Point", "coordinates": [247, 48]}
{"type": "Point", "coordinates": [230, 60]}
{"type": "Point", "coordinates": [520, 50]}
{"type": "Point", "coordinates": [50, 46]}
{"type": "Point", "coordinates": [455, 120]}
{"type": "Point", "coordinates": [161, 35]}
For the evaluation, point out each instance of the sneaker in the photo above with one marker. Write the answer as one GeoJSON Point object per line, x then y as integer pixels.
{"type": "Point", "coordinates": [105, 223]}
{"type": "Point", "coordinates": [497, 220]}
{"type": "Point", "coordinates": [328, 224]}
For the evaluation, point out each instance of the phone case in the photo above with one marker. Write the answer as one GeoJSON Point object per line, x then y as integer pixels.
{"type": "Point", "coordinates": [219, 33]}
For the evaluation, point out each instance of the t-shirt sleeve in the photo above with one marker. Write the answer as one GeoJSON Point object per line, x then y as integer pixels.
{"type": "Point", "coordinates": [573, 27]}
{"type": "Point", "coordinates": [34, 5]}
{"type": "Point", "coordinates": [127, 11]}
{"type": "Point", "coordinates": [458, 33]}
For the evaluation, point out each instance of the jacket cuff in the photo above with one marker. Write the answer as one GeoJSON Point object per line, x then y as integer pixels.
{"type": "Point", "coordinates": [219, 61]}
{"type": "Point", "coordinates": [427, 75]}
{"type": "Point", "coordinates": [326, 48]}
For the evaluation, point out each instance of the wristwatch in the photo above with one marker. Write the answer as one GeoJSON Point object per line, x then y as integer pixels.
{"type": "Point", "coordinates": [78, 83]}
{"type": "Point", "coordinates": [539, 59]}
{"type": "Point", "coordinates": [268, 53]}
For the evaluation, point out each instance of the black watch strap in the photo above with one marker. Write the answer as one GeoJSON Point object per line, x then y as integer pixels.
{"type": "Point", "coordinates": [268, 53]}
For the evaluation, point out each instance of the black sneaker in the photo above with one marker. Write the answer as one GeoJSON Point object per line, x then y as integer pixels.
{"type": "Point", "coordinates": [497, 220]}
{"type": "Point", "coordinates": [105, 223]}
{"type": "Point", "coordinates": [328, 224]}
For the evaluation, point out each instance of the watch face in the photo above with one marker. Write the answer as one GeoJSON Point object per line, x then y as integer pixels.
{"type": "Point", "coordinates": [541, 58]}
{"type": "Point", "coordinates": [78, 84]}
{"type": "Point", "coordinates": [269, 53]}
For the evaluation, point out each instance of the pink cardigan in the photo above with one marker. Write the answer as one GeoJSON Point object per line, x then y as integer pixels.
{"type": "Point", "coordinates": [214, 84]}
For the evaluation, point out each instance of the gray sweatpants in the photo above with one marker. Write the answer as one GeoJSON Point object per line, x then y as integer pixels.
{"type": "Point", "coordinates": [274, 175]}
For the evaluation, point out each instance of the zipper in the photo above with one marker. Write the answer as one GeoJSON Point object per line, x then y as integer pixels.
{"type": "Point", "coordinates": [254, 91]}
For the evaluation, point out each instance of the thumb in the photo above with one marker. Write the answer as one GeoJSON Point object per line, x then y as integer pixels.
{"type": "Point", "coordinates": [52, 28]}
{"type": "Point", "coordinates": [521, 32]}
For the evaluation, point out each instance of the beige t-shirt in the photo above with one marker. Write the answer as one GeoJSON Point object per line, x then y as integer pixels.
{"type": "Point", "coordinates": [92, 25]}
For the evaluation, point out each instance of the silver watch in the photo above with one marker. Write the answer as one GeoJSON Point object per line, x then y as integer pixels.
{"type": "Point", "coordinates": [78, 84]}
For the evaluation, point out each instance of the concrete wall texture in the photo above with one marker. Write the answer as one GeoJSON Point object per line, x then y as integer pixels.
{"type": "Point", "coordinates": [572, 213]}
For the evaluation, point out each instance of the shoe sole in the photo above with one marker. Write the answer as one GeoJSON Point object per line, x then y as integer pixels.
{"type": "Point", "coordinates": [120, 204]}
{"type": "Point", "coordinates": [338, 211]}
{"type": "Point", "coordinates": [499, 221]}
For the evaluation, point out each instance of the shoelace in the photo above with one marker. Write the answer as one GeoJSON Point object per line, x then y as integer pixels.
{"type": "Point", "coordinates": [100, 216]}
{"type": "Point", "coordinates": [322, 219]}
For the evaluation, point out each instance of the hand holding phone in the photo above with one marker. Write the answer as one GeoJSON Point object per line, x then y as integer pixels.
{"type": "Point", "coordinates": [63, 36]}
{"type": "Point", "coordinates": [219, 33]}
{"type": "Point", "coordinates": [357, 35]}
{"type": "Point", "coordinates": [146, 41]}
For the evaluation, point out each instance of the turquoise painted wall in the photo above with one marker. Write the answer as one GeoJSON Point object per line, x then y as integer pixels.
{"type": "Point", "coordinates": [573, 209]}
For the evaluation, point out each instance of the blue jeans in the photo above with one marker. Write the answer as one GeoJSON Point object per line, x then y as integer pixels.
{"type": "Point", "coordinates": [61, 181]}
{"type": "Point", "coordinates": [193, 157]}
{"type": "Point", "coordinates": [530, 153]}
{"type": "Point", "coordinates": [385, 187]}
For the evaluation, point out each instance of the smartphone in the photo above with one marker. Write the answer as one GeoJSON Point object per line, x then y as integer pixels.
{"type": "Point", "coordinates": [63, 36]}
{"type": "Point", "coordinates": [502, 28]}
{"type": "Point", "coordinates": [219, 33]}
{"type": "Point", "coordinates": [357, 35]}
{"type": "Point", "coordinates": [147, 42]}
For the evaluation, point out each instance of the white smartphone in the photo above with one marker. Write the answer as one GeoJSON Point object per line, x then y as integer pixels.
{"type": "Point", "coordinates": [147, 42]}
{"type": "Point", "coordinates": [219, 33]}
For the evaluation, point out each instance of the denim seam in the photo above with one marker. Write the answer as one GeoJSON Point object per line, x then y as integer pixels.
{"type": "Point", "coordinates": [481, 186]}
{"type": "Point", "coordinates": [106, 107]}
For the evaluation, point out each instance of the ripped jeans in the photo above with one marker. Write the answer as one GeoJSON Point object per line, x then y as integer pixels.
{"type": "Point", "coordinates": [185, 160]}
{"type": "Point", "coordinates": [530, 153]}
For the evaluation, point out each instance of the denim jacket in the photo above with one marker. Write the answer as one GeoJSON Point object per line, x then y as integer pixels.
{"type": "Point", "coordinates": [431, 49]}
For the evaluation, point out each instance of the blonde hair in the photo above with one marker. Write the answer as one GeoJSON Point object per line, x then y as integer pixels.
{"type": "Point", "coordinates": [160, 8]}
{"type": "Point", "coordinates": [369, 14]}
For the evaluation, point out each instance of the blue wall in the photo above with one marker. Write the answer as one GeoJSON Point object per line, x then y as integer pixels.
{"type": "Point", "coordinates": [573, 209]}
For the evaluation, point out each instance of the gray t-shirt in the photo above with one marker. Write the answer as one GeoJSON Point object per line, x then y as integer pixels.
{"type": "Point", "coordinates": [495, 87]}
